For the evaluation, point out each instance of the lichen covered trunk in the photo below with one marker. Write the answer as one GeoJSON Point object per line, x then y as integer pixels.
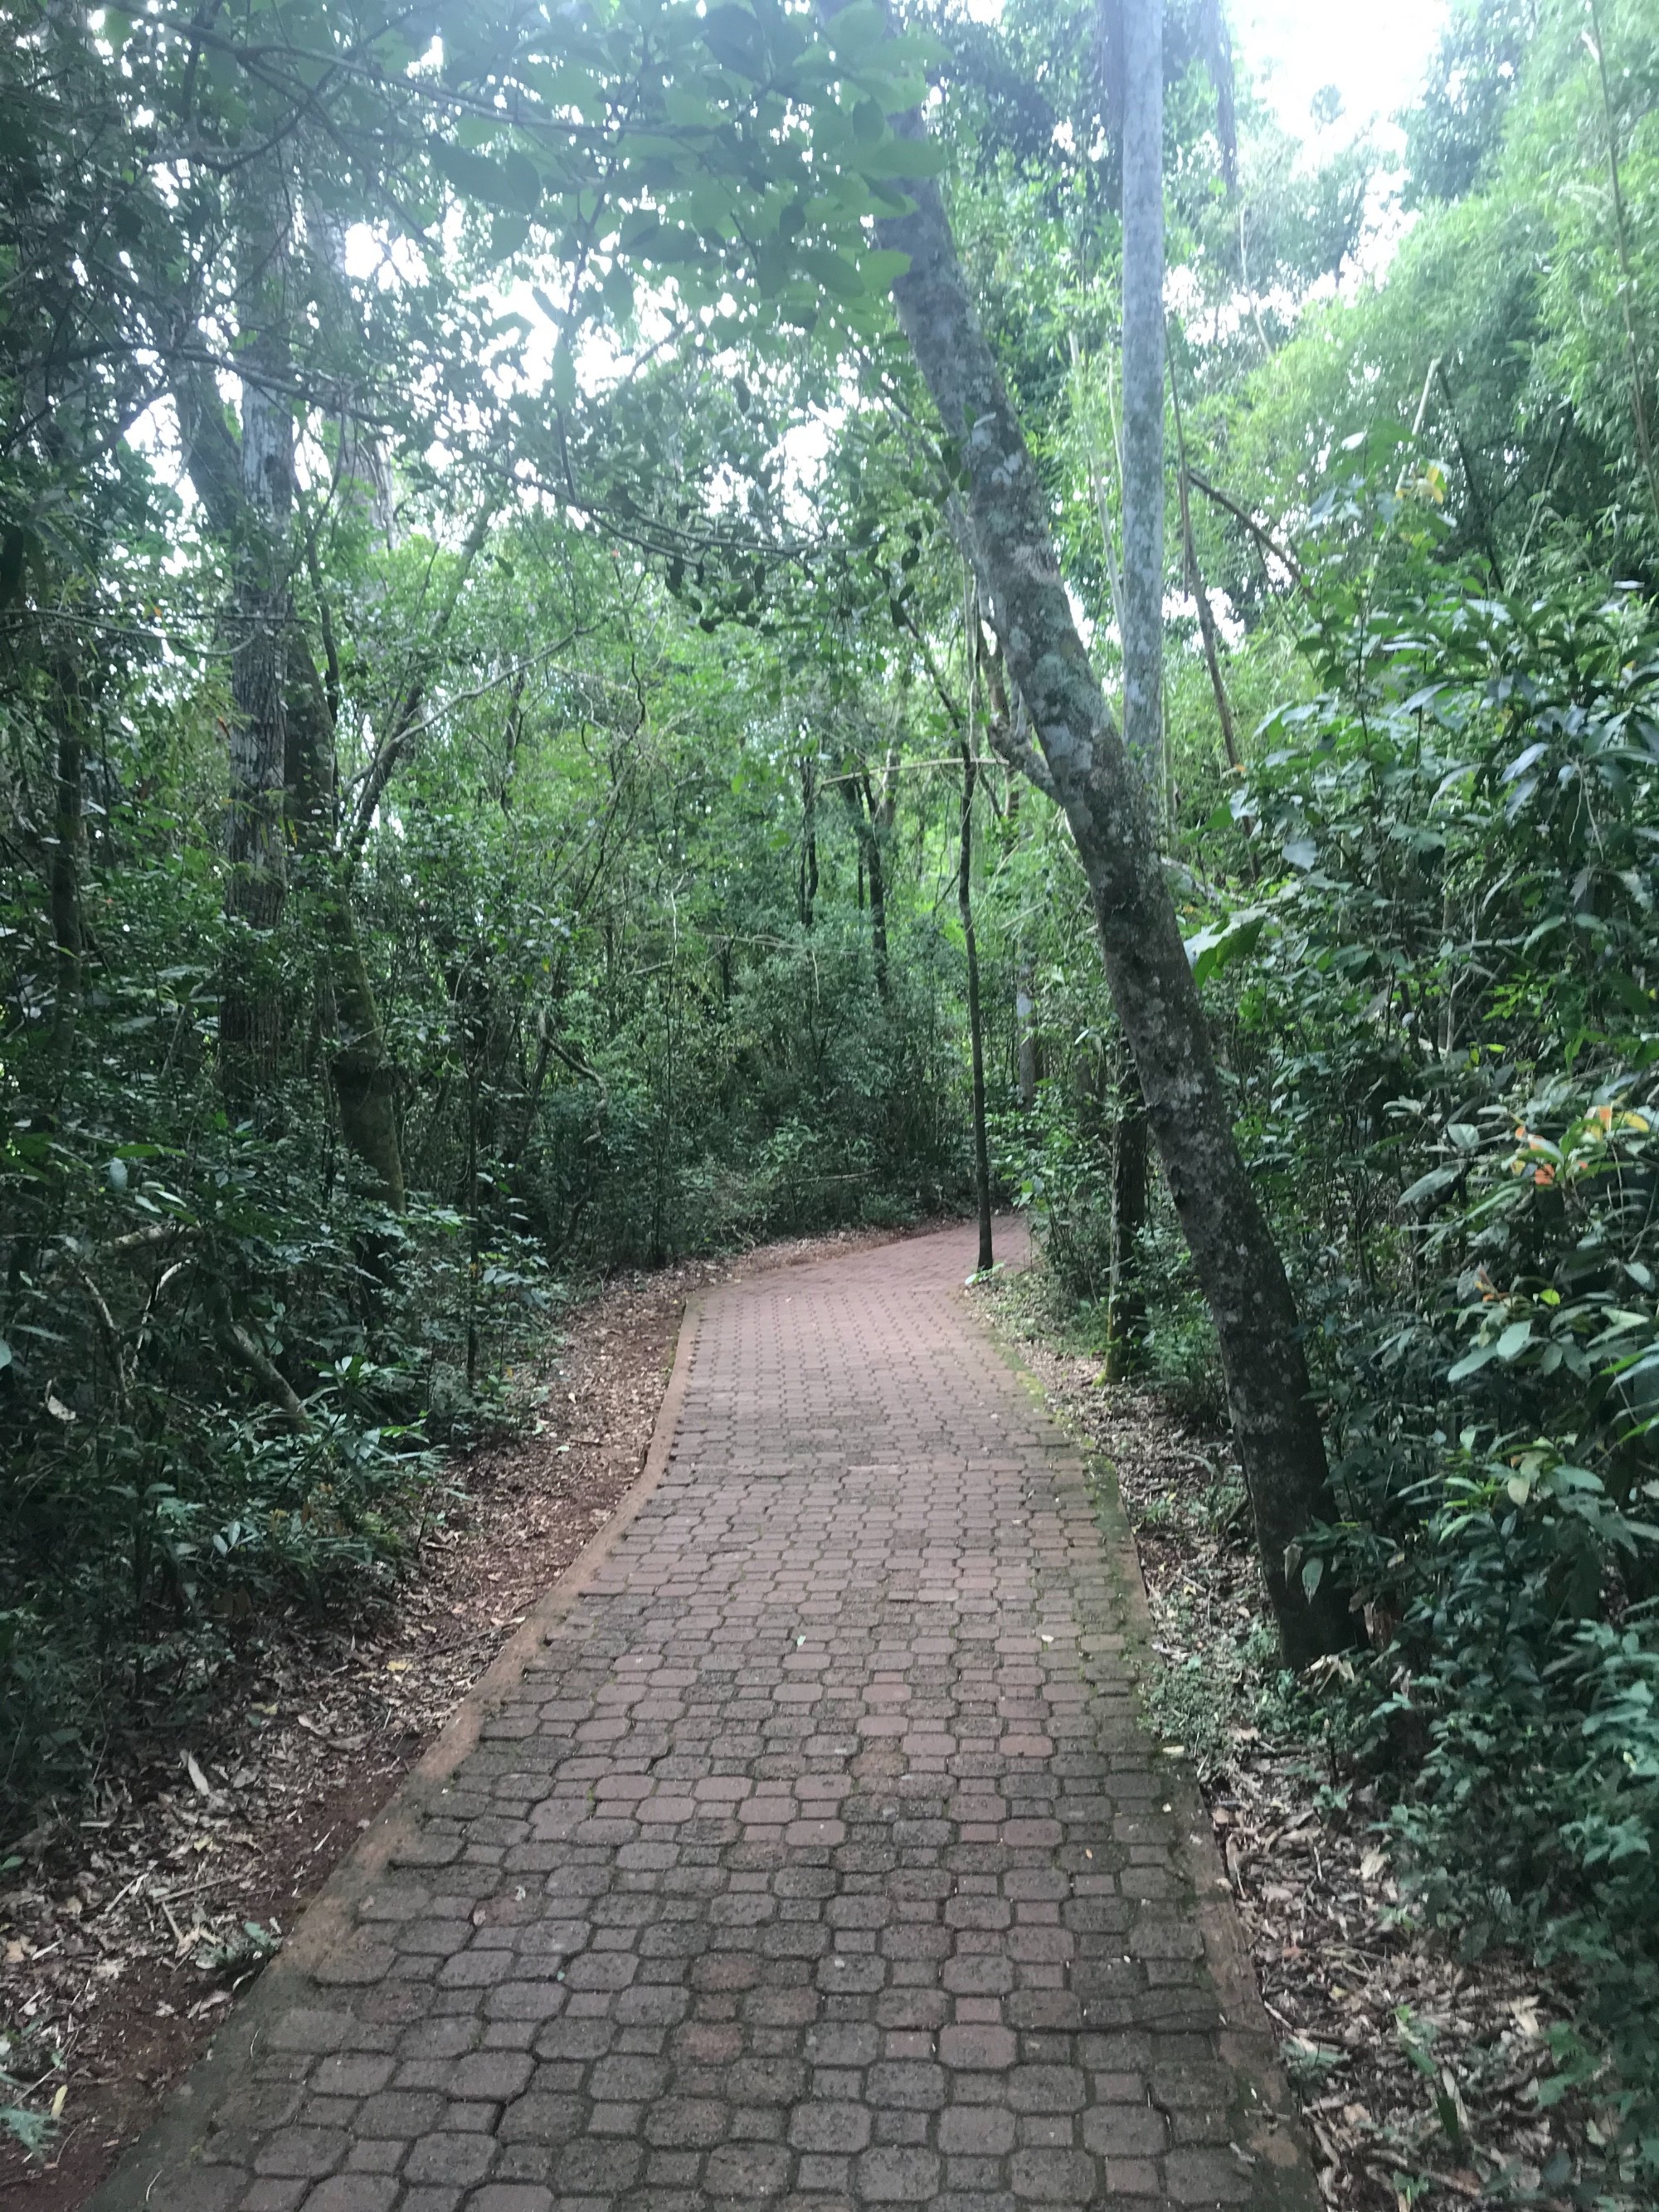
{"type": "Point", "coordinates": [975, 1022]}
{"type": "Point", "coordinates": [361, 1066]}
{"type": "Point", "coordinates": [250, 1007]}
{"type": "Point", "coordinates": [1082, 758]}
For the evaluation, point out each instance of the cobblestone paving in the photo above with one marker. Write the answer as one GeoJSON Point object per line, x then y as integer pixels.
{"type": "Point", "coordinates": [815, 1861]}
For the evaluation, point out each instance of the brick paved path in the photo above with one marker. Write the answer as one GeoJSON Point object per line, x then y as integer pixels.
{"type": "Point", "coordinates": [814, 1860]}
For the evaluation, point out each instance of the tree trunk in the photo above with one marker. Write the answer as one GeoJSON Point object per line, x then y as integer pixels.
{"type": "Point", "coordinates": [1195, 584]}
{"type": "Point", "coordinates": [364, 1076]}
{"type": "Point", "coordinates": [975, 1026]}
{"type": "Point", "coordinates": [1084, 766]}
{"type": "Point", "coordinates": [1142, 583]}
{"type": "Point", "coordinates": [875, 868]}
{"type": "Point", "coordinates": [1025, 1018]}
{"type": "Point", "coordinates": [63, 866]}
{"type": "Point", "coordinates": [870, 818]}
{"type": "Point", "coordinates": [250, 1020]}
{"type": "Point", "coordinates": [1125, 1301]}
{"type": "Point", "coordinates": [808, 879]}
{"type": "Point", "coordinates": [1143, 387]}
{"type": "Point", "coordinates": [361, 1066]}
{"type": "Point", "coordinates": [1025, 1043]}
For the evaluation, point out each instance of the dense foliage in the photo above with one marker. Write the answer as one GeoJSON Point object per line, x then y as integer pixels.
{"type": "Point", "coordinates": [486, 671]}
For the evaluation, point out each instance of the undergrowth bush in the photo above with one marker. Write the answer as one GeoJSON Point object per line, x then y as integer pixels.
{"type": "Point", "coordinates": [1423, 921]}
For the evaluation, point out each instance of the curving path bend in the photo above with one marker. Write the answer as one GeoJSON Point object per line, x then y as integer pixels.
{"type": "Point", "coordinates": [802, 1855]}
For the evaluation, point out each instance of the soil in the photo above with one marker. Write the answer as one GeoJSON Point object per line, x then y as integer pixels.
{"type": "Point", "coordinates": [128, 1923]}
{"type": "Point", "coordinates": [1416, 2071]}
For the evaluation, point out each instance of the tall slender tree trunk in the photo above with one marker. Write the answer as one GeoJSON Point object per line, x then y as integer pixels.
{"type": "Point", "coordinates": [1025, 1020]}
{"type": "Point", "coordinates": [64, 864]}
{"type": "Point", "coordinates": [251, 1020]}
{"type": "Point", "coordinates": [284, 787]}
{"type": "Point", "coordinates": [1143, 389]}
{"type": "Point", "coordinates": [1080, 760]}
{"type": "Point", "coordinates": [975, 1025]}
{"type": "Point", "coordinates": [1027, 1071]}
{"type": "Point", "coordinates": [361, 1066]}
{"type": "Point", "coordinates": [871, 818]}
{"type": "Point", "coordinates": [1125, 1297]}
{"type": "Point", "coordinates": [807, 877]}
{"type": "Point", "coordinates": [1141, 587]}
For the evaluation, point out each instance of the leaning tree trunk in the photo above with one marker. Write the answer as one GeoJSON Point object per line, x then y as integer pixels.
{"type": "Point", "coordinates": [1083, 764]}
{"type": "Point", "coordinates": [975, 1025]}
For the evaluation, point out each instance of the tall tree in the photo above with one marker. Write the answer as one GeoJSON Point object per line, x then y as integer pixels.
{"type": "Point", "coordinates": [975, 1022]}
{"type": "Point", "coordinates": [261, 616]}
{"type": "Point", "coordinates": [1142, 388]}
{"type": "Point", "coordinates": [1079, 758]}
{"type": "Point", "coordinates": [1142, 577]}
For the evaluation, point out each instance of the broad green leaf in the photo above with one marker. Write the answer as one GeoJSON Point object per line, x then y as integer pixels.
{"type": "Point", "coordinates": [902, 157]}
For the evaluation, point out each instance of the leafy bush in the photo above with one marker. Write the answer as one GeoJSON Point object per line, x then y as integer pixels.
{"type": "Point", "coordinates": [1440, 1001]}
{"type": "Point", "coordinates": [1423, 921]}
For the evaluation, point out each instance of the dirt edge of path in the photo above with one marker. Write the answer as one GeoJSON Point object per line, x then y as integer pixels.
{"type": "Point", "coordinates": [328, 1923]}
{"type": "Point", "coordinates": [1271, 2134]}
{"type": "Point", "coordinates": [317, 1735]}
{"type": "Point", "coordinates": [1384, 2034]}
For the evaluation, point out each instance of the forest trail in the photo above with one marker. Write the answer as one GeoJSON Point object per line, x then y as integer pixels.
{"type": "Point", "coordinates": [804, 1849]}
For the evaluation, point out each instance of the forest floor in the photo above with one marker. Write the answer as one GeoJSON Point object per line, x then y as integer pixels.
{"type": "Point", "coordinates": [129, 1922]}
{"type": "Point", "coordinates": [1416, 2071]}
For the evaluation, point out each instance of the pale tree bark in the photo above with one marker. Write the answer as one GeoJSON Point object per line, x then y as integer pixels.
{"type": "Point", "coordinates": [872, 807]}
{"type": "Point", "coordinates": [1025, 1018]}
{"type": "Point", "coordinates": [251, 1010]}
{"type": "Point", "coordinates": [806, 882]}
{"type": "Point", "coordinates": [64, 864]}
{"type": "Point", "coordinates": [361, 1067]}
{"type": "Point", "coordinates": [975, 1024]}
{"type": "Point", "coordinates": [1080, 760]}
{"type": "Point", "coordinates": [1025, 1034]}
{"type": "Point", "coordinates": [284, 788]}
{"type": "Point", "coordinates": [1142, 388]}
{"type": "Point", "coordinates": [1141, 587]}
{"type": "Point", "coordinates": [363, 477]}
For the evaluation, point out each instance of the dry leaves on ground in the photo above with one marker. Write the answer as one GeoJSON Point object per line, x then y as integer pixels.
{"type": "Point", "coordinates": [1415, 2070]}
{"type": "Point", "coordinates": [129, 1922]}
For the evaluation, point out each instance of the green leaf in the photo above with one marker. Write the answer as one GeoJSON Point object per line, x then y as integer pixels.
{"type": "Point", "coordinates": [833, 271]}
{"type": "Point", "coordinates": [881, 270]}
{"type": "Point", "coordinates": [857, 30]}
{"type": "Point", "coordinates": [523, 180]}
{"type": "Point", "coordinates": [1514, 1337]}
{"type": "Point", "coordinates": [473, 177]}
{"type": "Point", "coordinates": [1472, 1362]}
{"type": "Point", "coordinates": [617, 293]}
{"type": "Point", "coordinates": [733, 37]}
{"type": "Point", "coordinates": [1430, 1185]}
{"type": "Point", "coordinates": [1212, 950]}
{"type": "Point", "coordinates": [902, 157]}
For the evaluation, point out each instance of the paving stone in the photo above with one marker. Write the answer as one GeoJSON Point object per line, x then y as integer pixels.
{"type": "Point", "coordinates": [817, 1860]}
